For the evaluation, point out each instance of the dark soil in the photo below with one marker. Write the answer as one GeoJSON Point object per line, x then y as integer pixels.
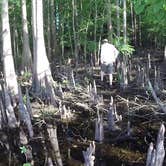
{"type": "Point", "coordinates": [75, 135]}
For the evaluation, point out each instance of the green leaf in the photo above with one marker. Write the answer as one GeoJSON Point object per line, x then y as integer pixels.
{"type": "Point", "coordinates": [23, 149]}
{"type": "Point", "coordinates": [26, 164]}
{"type": "Point", "coordinates": [139, 6]}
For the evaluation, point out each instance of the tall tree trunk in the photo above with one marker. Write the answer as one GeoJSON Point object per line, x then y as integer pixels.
{"type": "Point", "coordinates": [27, 58]}
{"type": "Point", "coordinates": [42, 78]}
{"type": "Point", "coordinates": [53, 28]}
{"type": "Point", "coordinates": [8, 63]}
{"type": "Point", "coordinates": [15, 38]}
{"type": "Point", "coordinates": [48, 30]}
{"type": "Point", "coordinates": [124, 22]}
{"type": "Point", "coordinates": [74, 31]}
{"type": "Point", "coordinates": [109, 13]}
{"type": "Point", "coordinates": [95, 32]}
{"type": "Point", "coordinates": [140, 32]}
{"type": "Point", "coordinates": [41, 64]}
{"type": "Point", "coordinates": [62, 42]}
{"type": "Point", "coordinates": [135, 27]}
{"type": "Point", "coordinates": [34, 24]}
{"type": "Point", "coordinates": [118, 17]}
{"type": "Point", "coordinates": [132, 23]}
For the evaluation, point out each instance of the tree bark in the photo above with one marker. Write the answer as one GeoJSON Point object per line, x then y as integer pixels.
{"type": "Point", "coordinates": [41, 64]}
{"type": "Point", "coordinates": [109, 13]}
{"type": "Point", "coordinates": [140, 32]}
{"type": "Point", "coordinates": [53, 28]}
{"type": "Point", "coordinates": [74, 31]}
{"type": "Point", "coordinates": [118, 18]}
{"type": "Point", "coordinates": [165, 52]}
{"type": "Point", "coordinates": [27, 58]}
{"type": "Point", "coordinates": [47, 22]}
{"type": "Point", "coordinates": [124, 22]}
{"type": "Point", "coordinates": [42, 77]}
{"type": "Point", "coordinates": [132, 23]}
{"type": "Point", "coordinates": [8, 63]}
{"type": "Point", "coordinates": [95, 34]}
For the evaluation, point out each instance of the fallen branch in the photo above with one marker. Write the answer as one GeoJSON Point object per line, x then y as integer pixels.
{"type": "Point", "coordinates": [127, 101]}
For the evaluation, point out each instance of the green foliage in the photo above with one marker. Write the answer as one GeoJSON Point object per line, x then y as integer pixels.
{"type": "Point", "coordinates": [23, 149]}
{"type": "Point", "coordinates": [91, 46]}
{"type": "Point", "coordinates": [153, 15]}
{"type": "Point", "coordinates": [124, 49]}
{"type": "Point", "coordinates": [26, 164]}
{"type": "Point", "coordinates": [27, 75]}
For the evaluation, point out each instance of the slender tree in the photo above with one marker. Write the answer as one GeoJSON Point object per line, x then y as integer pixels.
{"type": "Point", "coordinates": [48, 31]}
{"type": "Point", "coordinates": [124, 22]}
{"type": "Point", "coordinates": [53, 28]}
{"type": "Point", "coordinates": [132, 22]}
{"type": "Point", "coordinates": [95, 32]}
{"type": "Point", "coordinates": [118, 17]}
{"type": "Point", "coordinates": [74, 13]}
{"type": "Point", "coordinates": [7, 57]}
{"type": "Point", "coordinates": [27, 58]}
{"type": "Point", "coordinates": [109, 15]}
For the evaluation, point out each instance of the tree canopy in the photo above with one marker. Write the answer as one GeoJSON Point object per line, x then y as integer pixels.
{"type": "Point", "coordinates": [145, 19]}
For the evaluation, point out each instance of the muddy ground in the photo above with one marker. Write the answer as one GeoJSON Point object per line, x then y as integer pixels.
{"type": "Point", "coordinates": [75, 135]}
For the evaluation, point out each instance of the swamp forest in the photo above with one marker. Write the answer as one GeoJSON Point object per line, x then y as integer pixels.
{"type": "Point", "coordinates": [54, 108]}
